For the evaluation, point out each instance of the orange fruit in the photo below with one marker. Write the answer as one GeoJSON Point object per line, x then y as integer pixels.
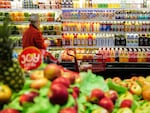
{"type": "Point", "coordinates": [146, 95]}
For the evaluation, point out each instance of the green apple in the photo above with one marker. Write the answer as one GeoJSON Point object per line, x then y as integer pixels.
{"type": "Point", "coordinates": [100, 110]}
{"type": "Point", "coordinates": [124, 110]}
{"type": "Point", "coordinates": [126, 95]}
{"type": "Point", "coordinates": [145, 108]}
{"type": "Point", "coordinates": [136, 89]}
{"type": "Point", "coordinates": [147, 78]}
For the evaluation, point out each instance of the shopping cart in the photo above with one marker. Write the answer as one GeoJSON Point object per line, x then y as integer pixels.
{"type": "Point", "coordinates": [96, 64]}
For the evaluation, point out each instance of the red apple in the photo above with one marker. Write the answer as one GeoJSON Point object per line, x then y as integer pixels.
{"type": "Point", "coordinates": [52, 71]}
{"type": "Point", "coordinates": [69, 75]}
{"type": "Point", "coordinates": [68, 110]}
{"type": "Point", "coordinates": [75, 92]}
{"type": "Point", "coordinates": [58, 94]}
{"type": "Point", "coordinates": [106, 103]}
{"type": "Point", "coordinates": [28, 97]}
{"type": "Point", "coordinates": [126, 103]}
{"type": "Point", "coordinates": [96, 95]}
{"type": "Point", "coordinates": [9, 110]}
{"type": "Point", "coordinates": [112, 94]}
{"type": "Point", "coordinates": [62, 80]}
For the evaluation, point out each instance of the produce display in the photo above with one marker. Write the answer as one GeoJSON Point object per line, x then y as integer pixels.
{"type": "Point", "coordinates": [27, 4]}
{"type": "Point", "coordinates": [55, 89]}
{"type": "Point", "coordinates": [20, 16]}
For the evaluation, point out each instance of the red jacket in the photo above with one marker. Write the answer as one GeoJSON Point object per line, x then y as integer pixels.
{"type": "Point", "coordinates": [33, 37]}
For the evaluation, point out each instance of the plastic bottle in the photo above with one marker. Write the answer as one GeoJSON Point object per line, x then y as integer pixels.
{"type": "Point", "coordinates": [63, 39]}
{"type": "Point", "coordinates": [75, 39]}
{"type": "Point", "coordinates": [126, 55]}
{"type": "Point", "coordinates": [148, 55]}
{"type": "Point", "coordinates": [90, 40]}
{"type": "Point", "coordinates": [143, 52]}
{"type": "Point", "coordinates": [86, 39]}
{"type": "Point", "coordinates": [135, 55]}
{"type": "Point", "coordinates": [139, 56]}
{"type": "Point", "coordinates": [131, 55]}
{"type": "Point", "coordinates": [79, 40]}
{"type": "Point", "coordinates": [116, 54]}
{"type": "Point", "coordinates": [82, 40]}
{"type": "Point", "coordinates": [112, 55]}
{"type": "Point", "coordinates": [94, 39]}
{"type": "Point", "coordinates": [71, 39]}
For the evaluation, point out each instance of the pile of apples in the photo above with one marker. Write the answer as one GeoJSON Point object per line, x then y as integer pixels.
{"type": "Point", "coordinates": [58, 85]}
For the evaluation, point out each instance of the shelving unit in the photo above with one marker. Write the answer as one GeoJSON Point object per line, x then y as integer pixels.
{"type": "Point", "coordinates": [115, 20]}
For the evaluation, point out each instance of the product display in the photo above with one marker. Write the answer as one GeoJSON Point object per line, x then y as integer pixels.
{"type": "Point", "coordinates": [77, 93]}
{"type": "Point", "coordinates": [103, 53]}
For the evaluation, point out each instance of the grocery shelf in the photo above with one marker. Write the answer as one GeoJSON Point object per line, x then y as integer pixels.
{"type": "Point", "coordinates": [52, 36]}
{"type": "Point", "coordinates": [27, 22]}
{"type": "Point", "coordinates": [108, 32]}
{"type": "Point", "coordinates": [29, 10]}
{"type": "Point", "coordinates": [98, 32]}
{"type": "Point", "coordinates": [45, 36]}
{"type": "Point", "coordinates": [89, 20]}
{"type": "Point", "coordinates": [106, 47]}
{"type": "Point", "coordinates": [106, 20]}
{"type": "Point", "coordinates": [143, 9]}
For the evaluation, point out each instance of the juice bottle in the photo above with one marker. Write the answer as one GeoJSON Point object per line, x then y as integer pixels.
{"type": "Point", "coordinates": [148, 36]}
{"type": "Point", "coordinates": [94, 39]}
{"type": "Point", "coordinates": [108, 55]}
{"type": "Point", "coordinates": [91, 27]}
{"type": "Point", "coordinates": [79, 39]}
{"type": "Point", "coordinates": [146, 40]}
{"type": "Point", "coordinates": [63, 39]}
{"type": "Point", "coordinates": [82, 40]}
{"type": "Point", "coordinates": [143, 52]}
{"type": "Point", "coordinates": [141, 40]}
{"type": "Point", "coordinates": [148, 55]}
{"type": "Point", "coordinates": [131, 55]}
{"type": "Point", "coordinates": [75, 39]}
{"type": "Point", "coordinates": [116, 54]}
{"type": "Point", "coordinates": [78, 26]}
{"type": "Point", "coordinates": [125, 55]}
{"type": "Point", "coordinates": [135, 55]}
{"type": "Point", "coordinates": [88, 26]}
{"type": "Point", "coordinates": [120, 54]}
{"type": "Point", "coordinates": [112, 55]}
{"type": "Point", "coordinates": [95, 5]}
{"type": "Point", "coordinates": [95, 27]}
{"type": "Point", "coordinates": [68, 39]}
{"type": "Point", "coordinates": [86, 39]}
{"type": "Point", "coordinates": [90, 40]}
{"type": "Point", "coordinates": [71, 37]}
{"type": "Point", "coordinates": [139, 56]}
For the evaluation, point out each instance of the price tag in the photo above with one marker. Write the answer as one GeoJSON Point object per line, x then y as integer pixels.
{"type": "Point", "coordinates": [30, 58]}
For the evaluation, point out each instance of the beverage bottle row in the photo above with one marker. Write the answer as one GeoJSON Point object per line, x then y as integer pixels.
{"type": "Point", "coordinates": [85, 39]}
{"type": "Point", "coordinates": [100, 4]}
{"type": "Point", "coordinates": [125, 54]}
{"type": "Point", "coordinates": [101, 40]}
{"type": "Point", "coordinates": [132, 14]}
{"type": "Point", "coordinates": [106, 14]}
{"type": "Point", "coordinates": [117, 26]}
{"type": "Point", "coordinates": [99, 14]}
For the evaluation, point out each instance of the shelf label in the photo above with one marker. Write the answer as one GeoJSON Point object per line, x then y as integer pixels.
{"type": "Point", "coordinates": [30, 58]}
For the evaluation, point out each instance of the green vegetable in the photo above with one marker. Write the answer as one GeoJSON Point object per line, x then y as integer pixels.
{"type": "Point", "coordinates": [90, 81]}
{"type": "Point", "coordinates": [112, 85]}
